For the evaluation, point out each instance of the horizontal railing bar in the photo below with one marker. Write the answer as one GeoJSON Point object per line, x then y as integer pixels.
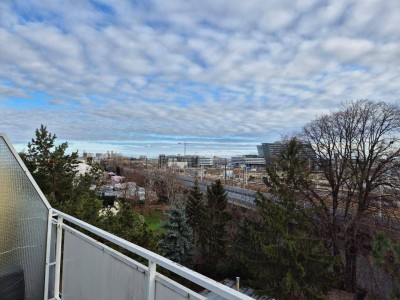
{"type": "Point", "coordinates": [182, 271]}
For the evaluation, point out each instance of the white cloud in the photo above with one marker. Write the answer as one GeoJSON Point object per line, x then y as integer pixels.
{"type": "Point", "coordinates": [9, 92]}
{"type": "Point", "coordinates": [186, 68]}
{"type": "Point", "coordinates": [347, 50]}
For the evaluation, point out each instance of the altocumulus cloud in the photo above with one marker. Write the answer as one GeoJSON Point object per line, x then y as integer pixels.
{"type": "Point", "coordinates": [222, 74]}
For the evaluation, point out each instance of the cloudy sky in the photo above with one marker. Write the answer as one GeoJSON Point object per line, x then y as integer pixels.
{"type": "Point", "coordinates": [138, 77]}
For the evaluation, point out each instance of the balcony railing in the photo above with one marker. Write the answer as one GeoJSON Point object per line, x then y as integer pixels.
{"type": "Point", "coordinates": [80, 252]}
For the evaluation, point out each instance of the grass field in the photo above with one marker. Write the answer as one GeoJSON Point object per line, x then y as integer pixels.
{"type": "Point", "coordinates": [154, 219]}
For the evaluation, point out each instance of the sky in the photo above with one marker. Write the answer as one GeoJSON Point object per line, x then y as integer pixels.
{"type": "Point", "coordinates": [140, 77]}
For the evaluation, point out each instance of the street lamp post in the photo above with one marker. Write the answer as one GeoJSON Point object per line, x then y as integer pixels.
{"type": "Point", "coordinates": [225, 172]}
{"type": "Point", "coordinates": [184, 153]}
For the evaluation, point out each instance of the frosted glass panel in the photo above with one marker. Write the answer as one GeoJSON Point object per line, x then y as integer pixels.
{"type": "Point", "coordinates": [23, 226]}
{"type": "Point", "coordinates": [91, 273]}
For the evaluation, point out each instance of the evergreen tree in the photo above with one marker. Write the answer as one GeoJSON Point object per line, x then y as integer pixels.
{"type": "Point", "coordinates": [195, 211]}
{"type": "Point", "coordinates": [84, 202]}
{"type": "Point", "coordinates": [215, 235]}
{"type": "Point", "coordinates": [50, 166]}
{"type": "Point", "coordinates": [84, 206]}
{"type": "Point", "coordinates": [129, 226]}
{"type": "Point", "coordinates": [177, 243]}
{"type": "Point", "coordinates": [386, 254]}
{"type": "Point", "coordinates": [278, 248]}
{"type": "Point", "coordinates": [54, 172]}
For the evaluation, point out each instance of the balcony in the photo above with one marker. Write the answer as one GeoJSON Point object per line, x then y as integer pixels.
{"type": "Point", "coordinates": [46, 254]}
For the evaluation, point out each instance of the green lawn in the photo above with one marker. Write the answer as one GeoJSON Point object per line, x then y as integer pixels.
{"type": "Point", "coordinates": [154, 220]}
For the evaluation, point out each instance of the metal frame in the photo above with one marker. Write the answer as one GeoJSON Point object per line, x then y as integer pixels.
{"type": "Point", "coordinates": [58, 258]}
{"type": "Point", "coordinates": [48, 249]}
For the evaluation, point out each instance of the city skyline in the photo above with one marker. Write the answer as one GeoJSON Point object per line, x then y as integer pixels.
{"type": "Point", "coordinates": [223, 76]}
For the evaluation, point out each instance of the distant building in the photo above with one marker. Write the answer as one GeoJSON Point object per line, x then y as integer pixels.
{"type": "Point", "coordinates": [117, 180]}
{"type": "Point", "coordinates": [260, 151]}
{"type": "Point", "coordinates": [251, 160]}
{"type": "Point", "coordinates": [177, 164]}
{"type": "Point", "coordinates": [162, 160]}
{"type": "Point", "coordinates": [270, 151]}
{"type": "Point", "coordinates": [82, 168]}
{"type": "Point", "coordinates": [192, 161]}
{"type": "Point", "coordinates": [206, 161]}
{"type": "Point", "coordinates": [220, 161]}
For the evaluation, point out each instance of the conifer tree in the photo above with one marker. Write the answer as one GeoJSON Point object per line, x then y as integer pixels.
{"type": "Point", "coordinates": [195, 211]}
{"type": "Point", "coordinates": [278, 248]}
{"type": "Point", "coordinates": [177, 243]}
{"type": "Point", "coordinates": [130, 226]}
{"type": "Point", "coordinates": [215, 235]}
{"type": "Point", "coordinates": [50, 166]}
{"type": "Point", "coordinates": [54, 172]}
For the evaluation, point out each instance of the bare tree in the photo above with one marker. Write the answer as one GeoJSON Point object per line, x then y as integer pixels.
{"type": "Point", "coordinates": [168, 185]}
{"type": "Point", "coordinates": [355, 149]}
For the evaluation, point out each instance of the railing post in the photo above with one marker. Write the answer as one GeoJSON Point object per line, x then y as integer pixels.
{"type": "Point", "coordinates": [58, 258]}
{"type": "Point", "coordinates": [48, 248]}
{"type": "Point", "coordinates": [151, 292]}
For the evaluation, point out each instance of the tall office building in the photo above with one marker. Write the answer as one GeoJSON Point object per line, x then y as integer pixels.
{"type": "Point", "coordinates": [272, 150]}
{"type": "Point", "coordinates": [260, 151]}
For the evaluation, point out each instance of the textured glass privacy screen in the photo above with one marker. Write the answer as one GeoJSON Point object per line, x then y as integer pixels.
{"type": "Point", "coordinates": [93, 272]}
{"type": "Point", "coordinates": [23, 228]}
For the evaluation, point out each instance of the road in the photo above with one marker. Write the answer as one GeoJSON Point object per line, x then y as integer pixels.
{"type": "Point", "coordinates": [236, 195]}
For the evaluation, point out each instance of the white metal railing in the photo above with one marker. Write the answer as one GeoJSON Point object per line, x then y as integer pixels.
{"type": "Point", "coordinates": [154, 259]}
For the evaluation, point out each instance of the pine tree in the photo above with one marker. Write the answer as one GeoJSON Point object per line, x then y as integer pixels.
{"type": "Point", "coordinates": [130, 226]}
{"type": "Point", "coordinates": [84, 206]}
{"type": "Point", "coordinates": [215, 236]}
{"type": "Point", "coordinates": [278, 248]}
{"type": "Point", "coordinates": [177, 243]}
{"type": "Point", "coordinates": [195, 211]}
{"type": "Point", "coordinates": [50, 166]}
